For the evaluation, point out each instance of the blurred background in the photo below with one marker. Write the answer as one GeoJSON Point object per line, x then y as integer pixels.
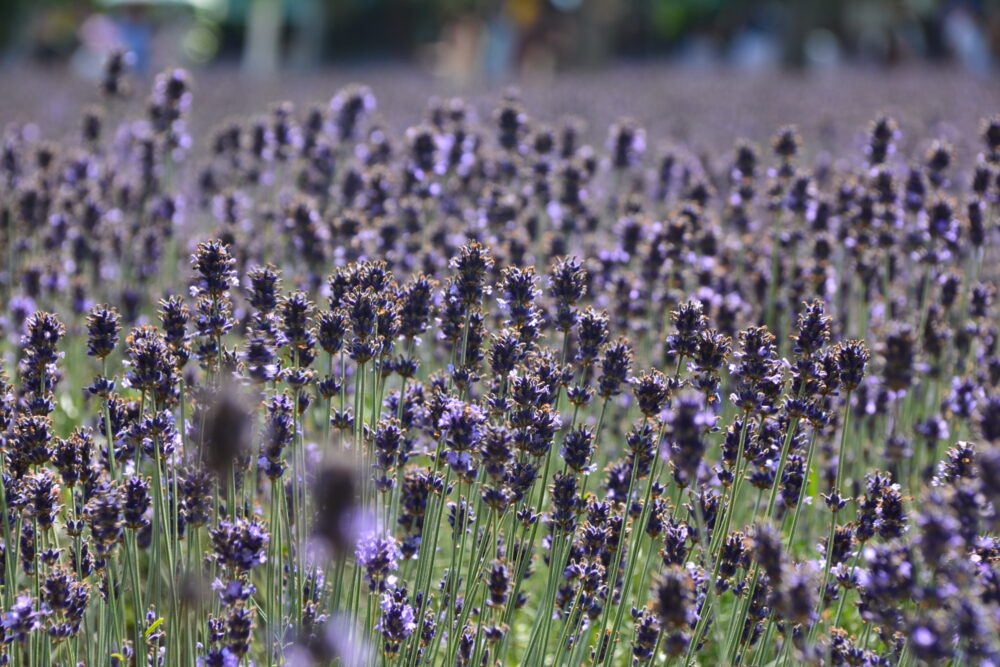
{"type": "Point", "coordinates": [465, 41]}
{"type": "Point", "coordinates": [701, 72]}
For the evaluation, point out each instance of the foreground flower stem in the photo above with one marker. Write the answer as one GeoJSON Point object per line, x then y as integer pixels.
{"type": "Point", "coordinates": [612, 575]}
{"type": "Point", "coordinates": [732, 495]}
{"type": "Point", "coordinates": [764, 645]}
{"type": "Point", "coordinates": [841, 455]}
{"type": "Point", "coordinates": [637, 530]}
{"type": "Point", "coordinates": [802, 492]}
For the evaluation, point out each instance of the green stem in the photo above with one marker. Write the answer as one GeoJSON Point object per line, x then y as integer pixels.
{"type": "Point", "coordinates": [841, 455]}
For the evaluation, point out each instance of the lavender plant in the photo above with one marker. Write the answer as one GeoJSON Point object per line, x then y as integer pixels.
{"type": "Point", "coordinates": [487, 394]}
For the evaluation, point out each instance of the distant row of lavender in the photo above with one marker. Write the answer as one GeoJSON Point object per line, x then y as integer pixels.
{"type": "Point", "coordinates": [485, 394]}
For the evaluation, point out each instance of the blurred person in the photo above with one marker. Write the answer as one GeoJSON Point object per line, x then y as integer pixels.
{"type": "Point", "coordinates": [457, 56]}
{"type": "Point", "coordinates": [964, 35]}
{"type": "Point", "coordinates": [543, 37]}
{"type": "Point", "coordinates": [135, 33]}
{"type": "Point", "coordinates": [46, 35]}
{"type": "Point", "coordinates": [867, 24]}
{"type": "Point", "coordinates": [755, 44]}
{"type": "Point", "coordinates": [500, 37]}
{"type": "Point", "coordinates": [907, 40]}
{"type": "Point", "coordinates": [98, 36]}
{"type": "Point", "coordinates": [127, 26]}
{"type": "Point", "coordinates": [307, 19]}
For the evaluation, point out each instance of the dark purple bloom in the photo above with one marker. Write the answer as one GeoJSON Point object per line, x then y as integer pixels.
{"type": "Point", "coordinates": [852, 360]}
{"type": "Point", "coordinates": [462, 425]}
{"type": "Point", "coordinates": [397, 620]}
{"type": "Point", "coordinates": [652, 390]}
{"type": "Point", "coordinates": [215, 269]}
{"type": "Point", "coordinates": [240, 544]}
{"type": "Point", "coordinates": [103, 325]}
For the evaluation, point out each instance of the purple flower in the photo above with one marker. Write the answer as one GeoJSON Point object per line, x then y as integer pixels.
{"type": "Point", "coordinates": [21, 620]}
{"type": "Point", "coordinates": [397, 621]}
{"type": "Point", "coordinates": [379, 555]}
{"type": "Point", "coordinates": [215, 269]}
{"type": "Point", "coordinates": [233, 591]}
{"type": "Point", "coordinates": [103, 325]}
{"type": "Point", "coordinates": [241, 545]}
{"type": "Point", "coordinates": [462, 425]}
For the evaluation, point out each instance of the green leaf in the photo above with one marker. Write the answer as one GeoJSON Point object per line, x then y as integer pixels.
{"type": "Point", "coordinates": [152, 628]}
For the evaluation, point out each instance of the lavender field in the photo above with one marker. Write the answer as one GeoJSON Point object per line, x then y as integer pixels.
{"type": "Point", "coordinates": [628, 368]}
